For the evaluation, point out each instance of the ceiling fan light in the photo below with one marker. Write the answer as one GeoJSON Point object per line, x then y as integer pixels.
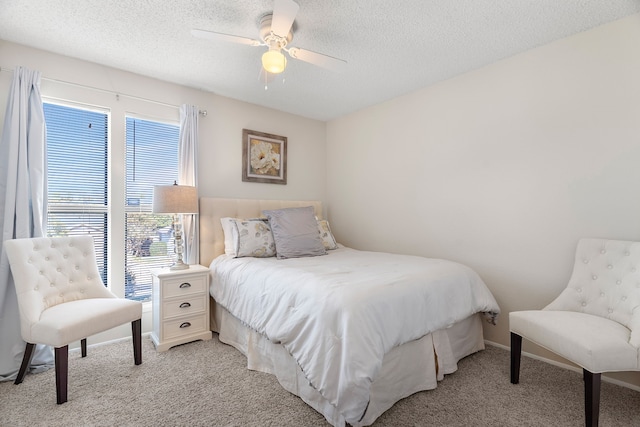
{"type": "Point", "coordinates": [274, 61]}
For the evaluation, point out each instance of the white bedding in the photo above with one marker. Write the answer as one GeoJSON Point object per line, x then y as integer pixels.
{"type": "Point", "coordinates": [339, 314]}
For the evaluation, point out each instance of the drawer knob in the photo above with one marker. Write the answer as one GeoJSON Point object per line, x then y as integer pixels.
{"type": "Point", "coordinates": [185, 325]}
{"type": "Point", "coordinates": [185, 285]}
{"type": "Point", "coordinates": [185, 305]}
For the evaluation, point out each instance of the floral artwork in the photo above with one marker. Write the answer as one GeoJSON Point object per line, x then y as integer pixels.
{"type": "Point", "coordinates": [263, 157]}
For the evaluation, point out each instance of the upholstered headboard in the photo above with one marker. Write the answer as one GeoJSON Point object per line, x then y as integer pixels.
{"type": "Point", "coordinates": [212, 209]}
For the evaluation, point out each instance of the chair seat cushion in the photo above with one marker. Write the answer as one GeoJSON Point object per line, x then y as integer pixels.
{"type": "Point", "coordinates": [595, 343]}
{"type": "Point", "coordinates": [65, 323]}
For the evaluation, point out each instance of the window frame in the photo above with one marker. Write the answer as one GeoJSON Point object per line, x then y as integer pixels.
{"type": "Point", "coordinates": [143, 208]}
{"type": "Point", "coordinates": [118, 106]}
{"type": "Point", "coordinates": [81, 208]}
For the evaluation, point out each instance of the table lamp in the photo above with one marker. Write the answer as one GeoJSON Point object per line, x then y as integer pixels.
{"type": "Point", "coordinates": [176, 200]}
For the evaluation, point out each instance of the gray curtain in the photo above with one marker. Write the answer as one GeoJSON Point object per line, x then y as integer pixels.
{"type": "Point", "coordinates": [188, 174]}
{"type": "Point", "coordinates": [23, 197]}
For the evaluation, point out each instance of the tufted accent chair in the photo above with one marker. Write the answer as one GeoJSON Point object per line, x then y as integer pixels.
{"type": "Point", "coordinates": [62, 299]}
{"type": "Point", "coordinates": [594, 322]}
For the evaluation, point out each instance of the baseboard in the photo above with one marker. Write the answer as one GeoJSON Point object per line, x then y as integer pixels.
{"type": "Point", "coordinates": [565, 366]}
{"type": "Point", "coordinates": [99, 344]}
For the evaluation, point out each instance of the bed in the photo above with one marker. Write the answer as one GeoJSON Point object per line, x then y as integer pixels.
{"type": "Point", "coordinates": [348, 360]}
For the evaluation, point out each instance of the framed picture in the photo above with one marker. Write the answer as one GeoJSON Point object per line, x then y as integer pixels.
{"type": "Point", "coordinates": [264, 157]}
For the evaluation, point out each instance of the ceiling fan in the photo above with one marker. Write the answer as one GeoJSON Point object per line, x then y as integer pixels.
{"type": "Point", "coordinates": [276, 32]}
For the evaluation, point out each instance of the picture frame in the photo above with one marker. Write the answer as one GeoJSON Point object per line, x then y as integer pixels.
{"type": "Point", "coordinates": [264, 157]}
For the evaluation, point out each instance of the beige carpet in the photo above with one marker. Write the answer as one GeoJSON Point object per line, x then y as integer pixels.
{"type": "Point", "coordinates": [207, 384]}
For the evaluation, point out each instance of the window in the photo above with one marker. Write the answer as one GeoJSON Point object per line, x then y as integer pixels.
{"type": "Point", "coordinates": [151, 159]}
{"type": "Point", "coordinates": [79, 180]}
{"type": "Point", "coordinates": [77, 161]}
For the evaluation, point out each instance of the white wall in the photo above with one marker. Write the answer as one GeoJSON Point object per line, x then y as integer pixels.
{"type": "Point", "coordinates": [220, 150]}
{"type": "Point", "coordinates": [220, 133]}
{"type": "Point", "coordinates": [503, 168]}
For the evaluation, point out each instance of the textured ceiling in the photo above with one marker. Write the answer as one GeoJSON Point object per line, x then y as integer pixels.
{"type": "Point", "coordinates": [392, 47]}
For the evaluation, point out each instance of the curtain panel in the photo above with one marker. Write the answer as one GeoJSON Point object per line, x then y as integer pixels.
{"type": "Point", "coordinates": [23, 197]}
{"type": "Point", "coordinates": [188, 175]}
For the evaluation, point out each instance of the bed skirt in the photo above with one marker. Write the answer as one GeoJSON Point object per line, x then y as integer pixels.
{"type": "Point", "coordinates": [407, 369]}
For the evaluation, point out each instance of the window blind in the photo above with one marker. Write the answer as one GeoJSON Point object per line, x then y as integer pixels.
{"type": "Point", "coordinates": [151, 159]}
{"type": "Point", "coordinates": [77, 176]}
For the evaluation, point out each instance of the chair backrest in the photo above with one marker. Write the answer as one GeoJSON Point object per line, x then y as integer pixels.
{"type": "Point", "coordinates": [605, 282]}
{"type": "Point", "coordinates": [48, 271]}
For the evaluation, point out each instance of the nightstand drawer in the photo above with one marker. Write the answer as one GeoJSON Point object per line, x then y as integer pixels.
{"type": "Point", "coordinates": [184, 326]}
{"type": "Point", "coordinates": [190, 304]}
{"type": "Point", "coordinates": [183, 286]}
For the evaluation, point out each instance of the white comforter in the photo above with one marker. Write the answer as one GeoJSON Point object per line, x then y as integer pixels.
{"type": "Point", "coordinates": [339, 314]}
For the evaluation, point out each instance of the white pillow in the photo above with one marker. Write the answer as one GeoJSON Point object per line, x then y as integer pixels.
{"type": "Point", "coordinates": [328, 240]}
{"type": "Point", "coordinates": [228, 227]}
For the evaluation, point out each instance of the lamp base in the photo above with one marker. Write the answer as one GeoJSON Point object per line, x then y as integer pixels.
{"type": "Point", "coordinates": [177, 229]}
{"type": "Point", "coordinates": [179, 266]}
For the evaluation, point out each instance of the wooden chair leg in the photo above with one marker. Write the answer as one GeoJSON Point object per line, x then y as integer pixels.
{"type": "Point", "coordinates": [591, 398]}
{"type": "Point", "coordinates": [136, 330]}
{"type": "Point", "coordinates": [83, 347]}
{"type": "Point", "coordinates": [26, 360]}
{"type": "Point", "coordinates": [62, 370]}
{"type": "Point", "coordinates": [516, 350]}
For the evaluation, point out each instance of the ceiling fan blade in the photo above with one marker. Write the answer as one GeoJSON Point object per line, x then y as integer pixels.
{"type": "Point", "coordinates": [284, 13]}
{"type": "Point", "coordinates": [211, 35]}
{"type": "Point", "coordinates": [324, 61]}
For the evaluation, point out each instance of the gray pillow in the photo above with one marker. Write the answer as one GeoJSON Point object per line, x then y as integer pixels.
{"type": "Point", "coordinates": [295, 232]}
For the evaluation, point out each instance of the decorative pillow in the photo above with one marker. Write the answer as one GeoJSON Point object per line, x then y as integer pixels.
{"type": "Point", "coordinates": [228, 227]}
{"type": "Point", "coordinates": [248, 237]}
{"type": "Point", "coordinates": [328, 240]}
{"type": "Point", "coordinates": [295, 232]}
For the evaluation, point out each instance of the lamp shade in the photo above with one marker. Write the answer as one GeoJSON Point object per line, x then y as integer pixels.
{"type": "Point", "coordinates": [175, 199]}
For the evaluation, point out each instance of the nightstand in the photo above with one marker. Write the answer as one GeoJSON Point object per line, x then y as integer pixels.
{"type": "Point", "coordinates": [180, 306]}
